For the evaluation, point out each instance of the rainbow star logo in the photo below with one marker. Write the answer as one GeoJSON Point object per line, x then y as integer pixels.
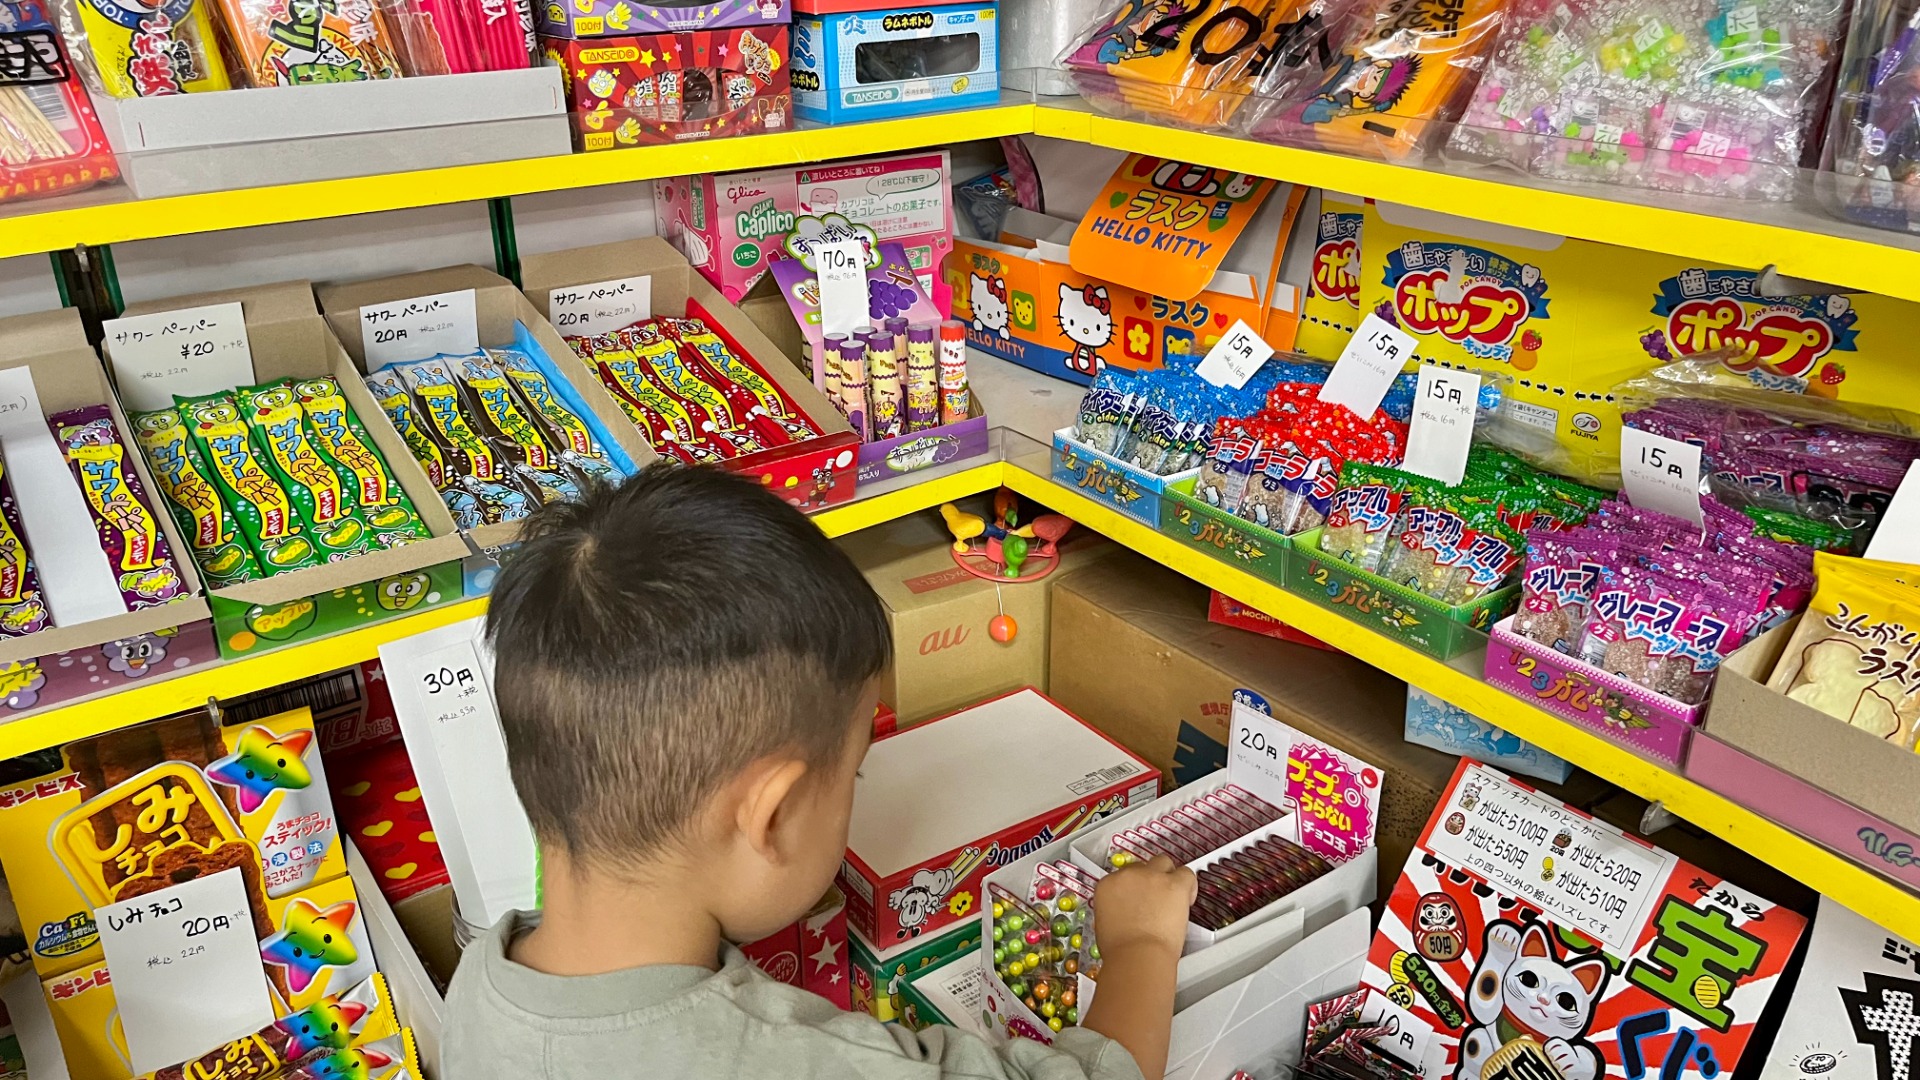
{"type": "Point", "coordinates": [310, 939]}
{"type": "Point", "coordinates": [263, 763]}
{"type": "Point", "coordinates": [326, 1024]}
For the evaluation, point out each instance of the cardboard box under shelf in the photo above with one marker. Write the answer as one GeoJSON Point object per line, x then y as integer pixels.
{"type": "Point", "coordinates": [1629, 714]}
{"type": "Point", "coordinates": [1414, 620]}
{"type": "Point", "coordinates": [62, 663]}
{"type": "Point", "coordinates": [188, 143]}
{"type": "Point", "coordinates": [499, 308]}
{"type": "Point", "coordinates": [1829, 754]}
{"type": "Point", "coordinates": [1227, 537]}
{"type": "Point", "coordinates": [289, 339]}
{"type": "Point", "coordinates": [812, 474]}
{"type": "Point", "coordinates": [1103, 477]}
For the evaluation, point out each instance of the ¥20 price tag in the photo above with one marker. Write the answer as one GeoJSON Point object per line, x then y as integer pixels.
{"type": "Point", "coordinates": [841, 269]}
{"type": "Point", "coordinates": [1234, 358]}
{"type": "Point", "coordinates": [190, 352]}
{"type": "Point", "coordinates": [601, 307]}
{"type": "Point", "coordinates": [1442, 429]}
{"type": "Point", "coordinates": [420, 327]}
{"type": "Point", "coordinates": [188, 942]}
{"type": "Point", "coordinates": [1374, 356]}
{"type": "Point", "coordinates": [1661, 474]}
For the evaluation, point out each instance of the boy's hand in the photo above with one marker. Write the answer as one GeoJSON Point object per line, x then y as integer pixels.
{"type": "Point", "coordinates": [1144, 903]}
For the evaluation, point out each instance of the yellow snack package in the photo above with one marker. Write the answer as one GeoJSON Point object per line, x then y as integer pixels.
{"type": "Point", "coordinates": [153, 51]}
{"type": "Point", "coordinates": [1856, 653]}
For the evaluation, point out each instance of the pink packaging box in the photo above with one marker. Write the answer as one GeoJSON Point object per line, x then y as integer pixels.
{"type": "Point", "coordinates": [732, 225]}
{"type": "Point", "coordinates": [1655, 725]}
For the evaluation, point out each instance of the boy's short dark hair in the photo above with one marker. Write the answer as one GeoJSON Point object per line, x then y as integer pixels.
{"type": "Point", "coordinates": [654, 638]}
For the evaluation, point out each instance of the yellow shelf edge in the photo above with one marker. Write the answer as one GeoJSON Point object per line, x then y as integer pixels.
{"type": "Point", "coordinates": [877, 509]}
{"type": "Point", "coordinates": [1867, 893]}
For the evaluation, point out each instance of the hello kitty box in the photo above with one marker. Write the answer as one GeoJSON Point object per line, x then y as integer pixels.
{"type": "Point", "coordinates": [1527, 941]}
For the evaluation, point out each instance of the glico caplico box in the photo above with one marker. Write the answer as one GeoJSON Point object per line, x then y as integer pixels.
{"type": "Point", "coordinates": [898, 61]}
{"type": "Point", "coordinates": [140, 808]}
{"type": "Point", "coordinates": [911, 874]}
{"type": "Point", "coordinates": [647, 89]}
{"type": "Point", "coordinates": [1154, 270]}
{"type": "Point", "coordinates": [880, 975]}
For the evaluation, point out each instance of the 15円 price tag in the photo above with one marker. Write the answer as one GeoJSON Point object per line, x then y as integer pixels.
{"type": "Point", "coordinates": [1234, 358]}
{"type": "Point", "coordinates": [1442, 429]}
{"type": "Point", "coordinates": [1368, 365]}
{"type": "Point", "coordinates": [841, 269]}
{"type": "Point", "coordinates": [190, 352]}
{"type": "Point", "coordinates": [418, 328]}
{"type": "Point", "coordinates": [1661, 474]}
{"type": "Point", "coordinates": [602, 306]}
{"type": "Point", "coordinates": [191, 942]}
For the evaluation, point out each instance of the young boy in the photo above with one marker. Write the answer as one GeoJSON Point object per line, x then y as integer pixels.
{"type": "Point", "coordinates": [686, 677]}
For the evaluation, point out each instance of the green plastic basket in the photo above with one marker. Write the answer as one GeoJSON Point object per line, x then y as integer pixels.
{"type": "Point", "coordinates": [1400, 613]}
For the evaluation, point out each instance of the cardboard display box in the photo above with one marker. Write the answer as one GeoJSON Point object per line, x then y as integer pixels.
{"type": "Point", "coordinates": [942, 655]}
{"type": "Point", "coordinates": [880, 975]}
{"type": "Point", "coordinates": [670, 87]}
{"type": "Point", "coordinates": [499, 308]}
{"type": "Point", "coordinates": [61, 663]}
{"type": "Point", "coordinates": [1132, 651]}
{"type": "Point", "coordinates": [812, 474]}
{"type": "Point", "coordinates": [289, 339]}
{"type": "Point", "coordinates": [836, 78]}
{"type": "Point", "coordinates": [909, 874]}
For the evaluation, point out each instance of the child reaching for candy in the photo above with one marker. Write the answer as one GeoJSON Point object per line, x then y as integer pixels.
{"type": "Point", "coordinates": [687, 671]}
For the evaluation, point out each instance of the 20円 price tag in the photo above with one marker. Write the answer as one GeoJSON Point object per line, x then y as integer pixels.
{"type": "Point", "coordinates": [190, 352]}
{"type": "Point", "coordinates": [841, 269]}
{"type": "Point", "coordinates": [415, 329]}
{"type": "Point", "coordinates": [1234, 358]}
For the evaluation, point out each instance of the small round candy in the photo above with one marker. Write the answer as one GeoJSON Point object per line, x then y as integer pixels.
{"type": "Point", "coordinates": [1042, 990]}
{"type": "Point", "coordinates": [1032, 960]}
{"type": "Point", "coordinates": [1043, 890]}
{"type": "Point", "coordinates": [1016, 921]}
{"type": "Point", "coordinates": [1069, 902]}
{"type": "Point", "coordinates": [1018, 987]}
{"type": "Point", "coordinates": [1094, 950]}
{"type": "Point", "coordinates": [1062, 926]}
{"type": "Point", "coordinates": [999, 932]}
{"type": "Point", "coordinates": [1073, 965]}
{"type": "Point", "coordinates": [1032, 1004]}
{"type": "Point", "coordinates": [1068, 998]}
{"type": "Point", "coordinates": [999, 956]}
{"type": "Point", "coordinates": [999, 909]}
{"type": "Point", "coordinates": [1073, 1016]}
{"type": "Point", "coordinates": [1047, 1009]}
{"type": "Point", "coordinates": [1076, 941]}
{"type": "Point", "coordinates": [1014, 968]}
{"type": "Point", "coordinates": [1055, 953]}
{"type": "Point", "coordinates": [1055, 1023]}
{"type": "Point", "coordinates": [1036, 935]}
{"type": "Point", "coordinates": [1119, 859]}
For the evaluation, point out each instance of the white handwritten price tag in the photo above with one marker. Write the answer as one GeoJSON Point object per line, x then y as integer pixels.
{"type": "Point", "coordinates": [189, 942]}
{"type": "Point", "coordinates": [1897, 537]}
{"type": "Point", "coordinates": [602, 307]}
{"type": "Point", "coordinates": [442, 685]}
{"type": "Point", "coordinates": [415, 329]}
{"type": "Point", "coordinates": [1234, 358]}
{"type": "Point", "coordinates": [1661, 474]}
{"type": "Point", "coordinates": [190, 352]}
{"type": "Point", "coordinates": [841, 268]}
{"type": "Point", "coordinates": [1442, 429]}
{"type": "Point", "coordinates": [1368, 365]}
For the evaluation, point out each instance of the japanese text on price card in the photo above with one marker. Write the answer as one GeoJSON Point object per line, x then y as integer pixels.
{"type": "Point", "coordinates": [602, 306]}
{"type": "Point", "coordinates": [1442, 430]}
{"type": "Point", "coordinates": [188, 942]}
{"type": "Point", "coordinates": [1334, 796]}
{"type": "Point", "coordinates": [415, 329]}
{"type": "Point", "coordinates": [1661, 474]}
{"type": "Point", "coordinates": [189, 352]}
{"type": "Point", "coordinates": [1234, 358]}
{"type": "Point", "coordinates": [1368, 365]}
{"type": "Point", "coordinates": [841, 268]}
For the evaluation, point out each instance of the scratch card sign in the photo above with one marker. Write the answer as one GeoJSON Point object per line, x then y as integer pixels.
{"type": "Point", "coordinates": [1541, 944]}
{"type": "Point", "coordinates": [1855, 1013]}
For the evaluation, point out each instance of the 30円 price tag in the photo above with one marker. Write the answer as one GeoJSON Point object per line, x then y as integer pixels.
{"type": "Point", "coordinates": [1661, 474]}
{"type": "Point", "coordinates": [602, 306]}
{"type": "Point", "coordinates": [841, 269]}
{"type": "Point", "coordinates": [1373, 358]}
{"type": "Point", "coordinates": [190, 352]}
{"type": "Point", "coordinates": [418, 328]}
{"type": "Point", "coordinates": [1234, 358]}
{"type": "Point", "coordinates": [191, 942]}
{"type": "Point", "coordinates": [1444, 403]}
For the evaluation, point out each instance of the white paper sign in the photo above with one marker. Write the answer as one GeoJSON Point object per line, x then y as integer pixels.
{"type": "Point", "coordinates": [190, 352]}
{"type": "Point", "coordinates": [1234, 358]}
{"type": "Point", "coordinates": [1661, 474]}
{"type": "Point", "coordinates": [1897, 537]}
{"type": "Point", "coordinates": [1367, 366]}
{"type": "Point", "coordinates": [1334, 796]}
{"type": "Point", "coordinates": [1598, 882]}
{"type": "Point", "coordinates": [191, 942]}
{"type": "Point", "coordinates": [1442, 430]}
{"type": "Point", "coordinates": [418, 328]}
{"type": "Point", "coordinates": [1407, 1035]}
{"type": "Point", "coordinates": [442, 686]}
{"type": "Point", "coordinates": [841, 268]}
{"type": "Point", "coordinates": [75, 577]}
{"type": "Point", "coordinates": [601, 307]}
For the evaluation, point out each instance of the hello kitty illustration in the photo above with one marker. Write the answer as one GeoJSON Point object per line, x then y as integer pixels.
{"type": "Point", "coordinates": [1521, 990]}
{"type": "Point", "coordinates": [1086, 317]}
{"type": "Point", "coordinates": [988, 297]}
{"type": "Point", "coordinates": [918, 899]}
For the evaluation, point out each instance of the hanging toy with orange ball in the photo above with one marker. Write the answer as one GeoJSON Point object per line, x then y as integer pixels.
{"type": "Point", "coordinates": [1002, 629]}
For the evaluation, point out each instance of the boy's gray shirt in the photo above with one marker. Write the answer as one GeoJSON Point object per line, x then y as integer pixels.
{"type": "Point", "coordinates": [509, 1022]}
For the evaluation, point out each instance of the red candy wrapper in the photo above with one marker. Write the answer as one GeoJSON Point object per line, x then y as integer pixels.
{"type": "Point", "coordinates": [130, 534]}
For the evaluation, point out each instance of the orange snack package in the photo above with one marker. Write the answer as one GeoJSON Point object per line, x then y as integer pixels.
{"type": "Point", "coordinates": [299, 42]}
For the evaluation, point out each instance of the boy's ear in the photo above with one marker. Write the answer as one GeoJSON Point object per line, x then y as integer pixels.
{"type": "Point", "coordinates": [768, 789]}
